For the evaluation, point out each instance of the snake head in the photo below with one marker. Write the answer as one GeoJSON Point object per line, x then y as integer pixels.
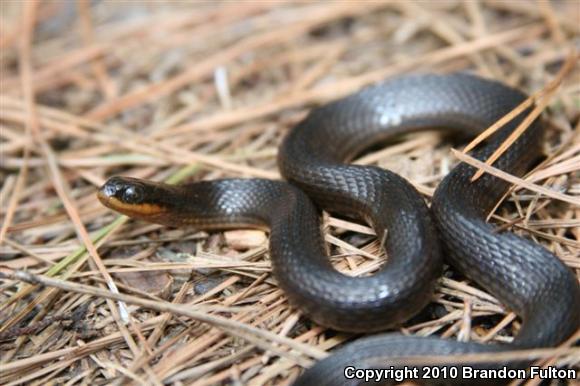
{"type": "Point", "coordinates": [123, 189]}
{"type": "Point", "coordinates": [133, 197]}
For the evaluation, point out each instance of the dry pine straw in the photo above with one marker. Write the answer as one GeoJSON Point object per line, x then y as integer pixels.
{"type": "Point", "coordinates": [207, 90]}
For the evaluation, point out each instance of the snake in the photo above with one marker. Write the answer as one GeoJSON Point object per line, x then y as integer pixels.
{"type": "Point", "coordinates": [315, 158]}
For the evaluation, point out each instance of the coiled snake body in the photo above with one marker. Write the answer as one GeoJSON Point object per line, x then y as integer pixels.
{"type": "Point", "coordinates": [525, 277]}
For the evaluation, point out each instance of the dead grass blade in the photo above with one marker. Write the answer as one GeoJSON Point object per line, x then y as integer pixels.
{"type": "Point", "coordinates": [515, 180]}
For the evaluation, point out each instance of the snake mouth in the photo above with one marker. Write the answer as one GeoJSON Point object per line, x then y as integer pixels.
{"type": "Point", "coordinates": [127, 196]}
{"type": "Point", "coordinates": [143, 210]}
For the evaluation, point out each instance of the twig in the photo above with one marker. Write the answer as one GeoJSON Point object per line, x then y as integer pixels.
{"type": "Point", "coordinates": [242, 330]}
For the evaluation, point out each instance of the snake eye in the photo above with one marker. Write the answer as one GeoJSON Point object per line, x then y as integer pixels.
{"type": "Point", "coordinates": [132, 195]}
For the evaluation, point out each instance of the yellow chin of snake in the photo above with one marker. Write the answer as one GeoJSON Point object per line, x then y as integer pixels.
{"type": "Point", "coordinates": [137, 210]}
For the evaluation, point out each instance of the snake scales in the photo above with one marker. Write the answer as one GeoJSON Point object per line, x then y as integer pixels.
{"type": "Point", "coordinates": [314, 157]}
